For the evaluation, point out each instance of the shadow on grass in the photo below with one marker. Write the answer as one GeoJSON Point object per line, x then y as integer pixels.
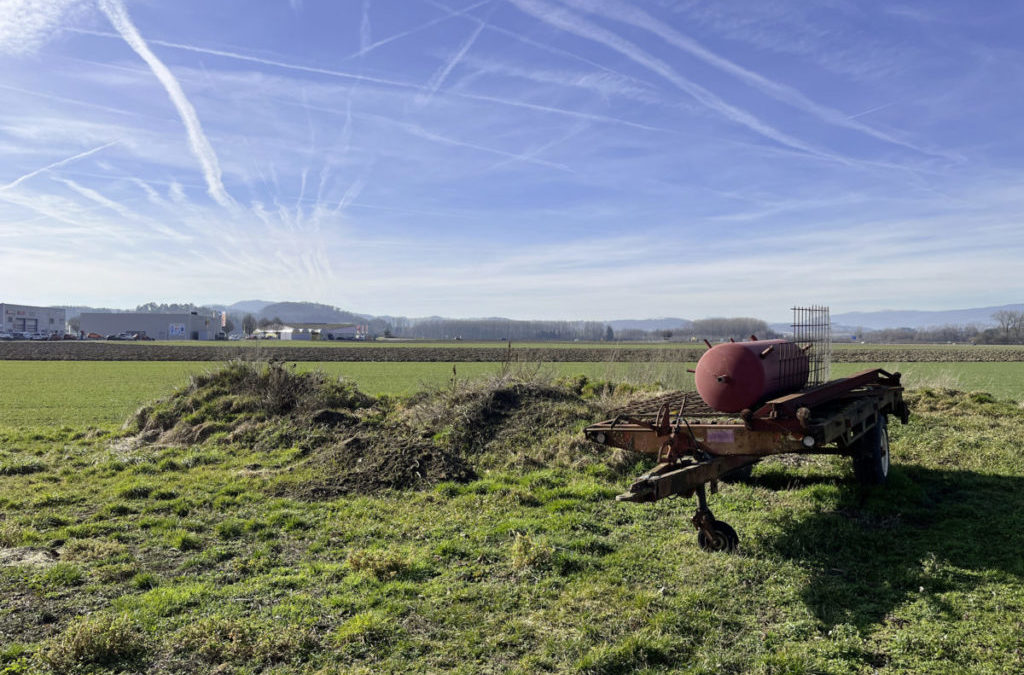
{"type": "Point", "coordinates": [924, 533]}
{"type": "Point", "coordinates": [780, 478]}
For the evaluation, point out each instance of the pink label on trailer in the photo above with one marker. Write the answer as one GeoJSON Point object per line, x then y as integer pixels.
{"type": "Point", "coordinates": [721, 436]}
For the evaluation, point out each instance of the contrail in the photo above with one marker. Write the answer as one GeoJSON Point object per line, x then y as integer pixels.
{"type": "Point", "coordinates": [577, 25]}
{"type": "Point", "coordinates": [363, 49]}
{"type": "Point", "coordinates": [350, 194]}
{"type": "Point", "coordinates": [442, 74]}
{"type": "Point", "coordinates": [393, 83]}
{"type": "Point", "coordinates": [95, 196]}
{"type": "Point", "coordinates": [420, 132]}
{"type": "Point", "coordinates": [74, 101]}
{"type": "Point", "coordinates": [201, 147]}
{"type": "Point", "coordinates": [364, 28]}
{"type": "Point", "coordinates": [637, 17]}
{"type": "Point", "coordinates": [495, 28]}
{"type": "Point", "coordinates": [62, 162]}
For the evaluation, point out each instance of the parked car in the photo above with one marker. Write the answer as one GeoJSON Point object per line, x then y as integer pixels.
{"type": "Point", "coordinates": [4, 335]}
{"type": "Point", "coordinates": [93, 336]}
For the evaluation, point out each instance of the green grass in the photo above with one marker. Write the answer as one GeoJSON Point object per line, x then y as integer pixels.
{"type": "Point", "coordinates": [75, 393]}
{"type": "Point", "coordinates": [497, 344]}
{"type": "Point", "coordinates": [405, 343]}
{"type": "Point", "coordinates": [187, 560]}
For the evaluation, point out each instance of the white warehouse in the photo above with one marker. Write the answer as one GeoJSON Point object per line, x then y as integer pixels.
{"type": "Point", "coordinates": [159, 326]}
{"type": "Point", "coordinates": [28, 319]}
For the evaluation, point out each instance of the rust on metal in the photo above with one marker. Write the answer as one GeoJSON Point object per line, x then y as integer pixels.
{"type": "Point", "coordinates": [694, 444]}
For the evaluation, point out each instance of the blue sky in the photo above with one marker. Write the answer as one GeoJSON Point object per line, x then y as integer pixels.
{"type": "Point", "coordinates": [570, 159]}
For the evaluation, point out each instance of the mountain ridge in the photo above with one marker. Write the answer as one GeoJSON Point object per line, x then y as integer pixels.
{"type": "Point", "coordinates": [852, 322]}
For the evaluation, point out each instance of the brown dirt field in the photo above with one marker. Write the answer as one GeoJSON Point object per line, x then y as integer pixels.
{"type": "Point", "coordinates": [104, 351]}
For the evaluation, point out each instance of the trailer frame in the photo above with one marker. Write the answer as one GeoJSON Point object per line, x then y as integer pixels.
{"type": "Point", "coordinates": [695, 445]}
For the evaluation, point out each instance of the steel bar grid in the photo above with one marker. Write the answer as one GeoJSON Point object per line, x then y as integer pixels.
{"type": "Point", "coordinates": [812, 328]}
{"type": "Point", "coordinates": [688, 403]}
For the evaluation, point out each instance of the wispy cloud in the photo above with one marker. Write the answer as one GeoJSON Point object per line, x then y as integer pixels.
{"type": "Point", "coordinates": [364, 28]}
{"type": "Point", "coordinates": [600, 82]}
{"type": "Point", "coordinates": [25, 25]}
{"type": "Point", "coordinates": [351, 194]}
{"type": "Point", "coordinates": [577, 25]}
{"type": "Point", "coordinates": [441, 74]}
{"type": "Point", "coordinates": [73, 101]}
{"type": "Point", "coordinates": [526, 40]}
{"type": "Point", "coordinates": [449, 14]}
{"type": "Point", "coordinates": [634, 16]}
{"type": "Point", "coordinates": [399, 84]}
{"type": "Point", "coordinates": [66, 160]}
{"type": "Point", "coordinates": [533, 153]}
{"type": "Point", "coordinates": [426, 134]}
{"type": "Point", "coordinates": [200, 145]}
{"type": "Point", "coordinates": [95, 196]}
{"type": "Point", "coordinates": [151, 194]}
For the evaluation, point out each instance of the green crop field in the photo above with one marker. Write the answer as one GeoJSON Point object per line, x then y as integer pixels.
{"type": "Point", "coordinates": [224, 531]}
{"type": "Point", "coordinates": [48, 393]}
{"type": "Point", "coordinates": [466, 344]}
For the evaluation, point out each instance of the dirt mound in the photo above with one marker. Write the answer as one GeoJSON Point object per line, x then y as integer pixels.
{"type": "Point", "coordinates": [368, 463]}
{"type": "Point", "coordinates": [351, 443]}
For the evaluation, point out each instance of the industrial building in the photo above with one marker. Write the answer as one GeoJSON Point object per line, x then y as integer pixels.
{"type": "Point", "coordinates": [313, 331]}
{"type": "Point", "coordinates": [158, 326]}
{"type": "Point", "coordinates": [27, 319]}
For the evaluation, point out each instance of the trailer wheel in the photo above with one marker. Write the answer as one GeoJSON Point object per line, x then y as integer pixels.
{"type": "Point", "coordinates": [871, 455]}
{"type": "Point", "coordinates": [723, 538]}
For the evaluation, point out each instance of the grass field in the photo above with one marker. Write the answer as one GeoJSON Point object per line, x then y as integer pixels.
{"type": "Point", "coordinates": [464, 344]}
{"type": "Point", "coordinates": [116, 556]}
{"type": "Point", "coordinates": [48, 393]}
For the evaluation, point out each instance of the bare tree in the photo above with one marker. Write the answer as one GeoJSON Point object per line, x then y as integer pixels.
{"type": "Point", "coordinates": [1010, 322]}
{"type": "Point", "coordinates": [1004, 318]}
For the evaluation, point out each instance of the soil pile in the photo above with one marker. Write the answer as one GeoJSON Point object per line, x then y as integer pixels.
{"type": "Point", "coordinates": [349, 442]}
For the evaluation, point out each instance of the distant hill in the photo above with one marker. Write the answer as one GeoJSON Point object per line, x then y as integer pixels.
{"type": "Point", "coordinates": [980, 316]}
{"type": "Point", "coordinates": [667, 323]}
{"type": "Point", "coordinates": [846, 322]}
{"type": "Point", "coordinates": [307, 312]}
{"type": "Point", "coordinates": [249, 306]}
{"type": "Point", "coordinates": [313, 312]}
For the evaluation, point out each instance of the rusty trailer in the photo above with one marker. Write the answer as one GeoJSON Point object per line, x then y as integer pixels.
{"type": "Point", "coordinates": [695, 445]}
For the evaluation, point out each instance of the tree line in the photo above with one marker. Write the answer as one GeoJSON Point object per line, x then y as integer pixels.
{"type": "Point", "coordinates": [502, 329]}
{"type": "Point", "coordinates": [1009, 330]}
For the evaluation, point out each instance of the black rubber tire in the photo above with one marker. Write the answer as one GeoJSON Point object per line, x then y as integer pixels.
{"type": "Point", "coordinates": [724, 539]}
{"type": "Point", "coordinates": [871, 455]}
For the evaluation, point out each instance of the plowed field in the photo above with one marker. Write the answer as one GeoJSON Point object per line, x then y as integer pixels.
{"type": "Point", "coordinates": [113, 351]}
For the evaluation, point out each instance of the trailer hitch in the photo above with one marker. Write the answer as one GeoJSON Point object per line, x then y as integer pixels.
{"type": "Point", "coordinates": [682, 477]}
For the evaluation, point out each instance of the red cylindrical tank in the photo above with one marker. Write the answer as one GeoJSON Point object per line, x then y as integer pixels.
{"type": "Point", "coordinates": [735, 375]}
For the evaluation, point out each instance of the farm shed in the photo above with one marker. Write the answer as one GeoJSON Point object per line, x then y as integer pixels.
{"type": "Point", "coordinates": [28, 319]}
{"type": "Point", "coordinates": [159, 326]}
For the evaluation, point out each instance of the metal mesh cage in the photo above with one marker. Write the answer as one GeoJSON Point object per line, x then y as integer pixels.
{"type": "Point", "coordinates": [812, 327]}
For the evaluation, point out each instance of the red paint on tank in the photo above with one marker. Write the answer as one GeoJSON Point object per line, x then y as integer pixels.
{"type": "Point", "coordinates": [735, 375]}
